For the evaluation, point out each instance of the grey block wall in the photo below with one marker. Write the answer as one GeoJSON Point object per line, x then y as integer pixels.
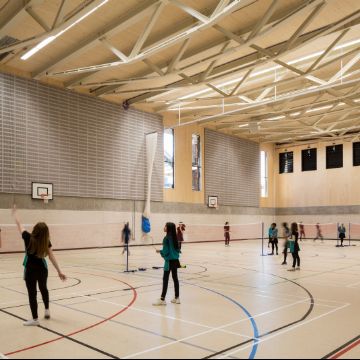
{"type": "Point", "coordinates": [85, 146]}
{"type": "Point", "coordinates": [232, 169]}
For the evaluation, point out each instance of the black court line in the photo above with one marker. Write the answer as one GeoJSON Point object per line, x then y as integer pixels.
{"type": "Point", "coordinates": [78, 282]}
{"type": "Point", "coordinates": [73, 297]}
{"type": "Point", "coordinates": [310, 310]}
{"type": "Point", "coordinates": [64, 336]}
{"type": "Point", "coordinates": [100, 317]}
{"type": "Point", "coordinates": [342, 347]}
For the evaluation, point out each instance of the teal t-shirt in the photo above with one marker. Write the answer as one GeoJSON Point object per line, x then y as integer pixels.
{"type": "Point", "coordinates": [169, 252]}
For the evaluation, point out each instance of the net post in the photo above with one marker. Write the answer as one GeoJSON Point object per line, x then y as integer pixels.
{"type": "Point", "coordinates": [262, 238]}
{"type": "Point", "coordinates": [349, 233]}
{"type": "Point", "coordinates": [337, 234]}
{"type": "Point", "coordinates": [127, 257]}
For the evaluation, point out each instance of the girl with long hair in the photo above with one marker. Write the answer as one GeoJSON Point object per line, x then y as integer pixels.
{"type": "Point", "coordinates": [295, 250]}
{"type": "Point", "coordinates": [171, 254]}
{"type": "Point", "coordinates": [37, 247]}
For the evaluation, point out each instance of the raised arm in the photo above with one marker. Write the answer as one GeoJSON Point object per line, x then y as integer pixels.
{"type": "Point", "coordinates": [17, 220]}
{"type": "Point", "coordinates": [56, 266]}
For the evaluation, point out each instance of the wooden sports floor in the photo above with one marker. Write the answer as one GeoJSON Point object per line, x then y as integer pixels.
{"type": "Point", "coordinates": [235, 304]}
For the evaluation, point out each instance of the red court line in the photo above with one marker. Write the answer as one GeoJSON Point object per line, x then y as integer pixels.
{"type": "Point", "coordinates": [87, 328]}
{"type": "Point", "coordinates": [346, 350]}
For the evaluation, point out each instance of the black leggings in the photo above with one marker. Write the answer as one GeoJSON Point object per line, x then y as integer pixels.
{"type": "Point", "coordinates": [274, 245]}
{"type": "Point", "coordinates": [174, 265]}
{"type": "Point", "coordinates": [32, 277]}
{"type": "Point", "coordinates": [296, 258]}
{"type": "Point", "coordinates": [227, 239]}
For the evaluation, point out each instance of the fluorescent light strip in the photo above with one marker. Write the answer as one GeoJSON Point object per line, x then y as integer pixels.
{"type": "Point", "coordinates": [50, 39]}
{"type": "Point", "coordinates": [38, 47]}
{"type": "Point", "coordinates": [319, 108]}
{"type": "Point", "coordinates": [273, 68]}
{"type": "Point", "coordinates": [276, 118]}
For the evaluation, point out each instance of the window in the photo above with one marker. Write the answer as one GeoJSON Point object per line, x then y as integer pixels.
{"type": "Point", "coordinates": [309, 160]}
{"type": "Point", "coordinates": [196, 163]}
{"type": "Point", "coordinates": [287, 163]}
{"type": "Point", "coordinates": [264, 175]}
{"type": "Point", "coordinates": [169, 158]}
{"type": "Point", "coordinates": [356, 151]}
{"type": "Point", "coordinates": [334, 157]}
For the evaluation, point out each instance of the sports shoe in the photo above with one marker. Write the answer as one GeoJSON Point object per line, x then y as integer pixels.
{"type": "Point", "coordinates": [32, 323]}
{"type": "Point", "coordinates": [176, 301]}
{"type": "Point", "coordinates": [298, 268]}
{"type": "Point", "coordinates": [47, 314]}
{"type": "Point", "coordinates": [293, 269]}
{"type": "Point", "coordinates": [284, 263]}
{"type": "Point", "coordinates": [159, 303]}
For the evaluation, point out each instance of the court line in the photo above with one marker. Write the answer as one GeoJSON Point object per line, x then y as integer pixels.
{"type": "Point", "coordinates": [220, 328]}
{"type": "Point", "coordinates": [134, 327]}
{"type": "Point", "coordinates": [287, 330]}
{"type": "Point", "coordinates": [69, 336]}
{"type": "Point", "coordinates": [336, 354]}
{"type": "Point", "coordinates": [3, 356]}
{"type": "Point", "coordinates": [62, 337]}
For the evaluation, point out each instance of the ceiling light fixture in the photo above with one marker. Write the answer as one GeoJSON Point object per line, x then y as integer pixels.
{"type": "Point", "coordinates": [51, 38]}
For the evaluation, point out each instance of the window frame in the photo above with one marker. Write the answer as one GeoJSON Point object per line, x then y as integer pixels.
{"type": "Point", "coordinates": [315, 150]}
{"type": "Point", "coordinates": [264, 178]}
{"type": "Point", "coordinates": [281, 170]}
{"type": "Point", "coordinates": [167, 162]}
{"type": "Point", "coordinates": [196, 166]}
{"type": "Point", "coordinates": [328, 154]}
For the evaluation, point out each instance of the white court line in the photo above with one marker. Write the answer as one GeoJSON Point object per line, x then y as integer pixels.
{"type": "Point", "coordinates": [220, 328]}
{"type": "Point", "coordinates": [286, 330]}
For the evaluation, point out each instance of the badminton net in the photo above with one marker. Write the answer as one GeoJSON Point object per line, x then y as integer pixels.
{"type": "Point", "coordinates": [212, 233]}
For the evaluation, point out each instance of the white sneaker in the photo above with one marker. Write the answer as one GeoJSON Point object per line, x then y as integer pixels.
{"type": "Point", "coordinates": [47, 314]}
{"type": "Point", "coordinates": [293, 269]}
{"type": "Point", "coordinates": [176, 301]}
{"type": "Point", "coordinates": [32, 323]}
{"type": "Point", "coordinates": [159, 303]}
{"type": "Point", "coordinates": [298, 268]}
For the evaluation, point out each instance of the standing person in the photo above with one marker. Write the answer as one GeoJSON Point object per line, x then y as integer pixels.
{"type": "Point", "coordinates": [171, 255]}
{"type": "Point", "coordinates": [273, 238]}
{"type": "Point", "coordinates": [296, 248]}
{"type": "Point", "coordinates": [287, 235]}
{"type": "Point", "coordinates": [180, 234]}
{"type": "Point", "coordinates": [227, 233]}
{"type": "Point", "coordinates": [126, 236]}
{"type": "Point", "coordinates": [319, 233]}
{"type": "Point", "coordinates": [342, 234]}
{"type": "Point", "coordinates": [38, 247]}
{"type": "Point", "coordinates": [302, 231]}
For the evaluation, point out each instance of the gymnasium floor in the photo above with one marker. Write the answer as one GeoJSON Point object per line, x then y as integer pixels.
{"type": "Point", "coordinates": [235, 304]}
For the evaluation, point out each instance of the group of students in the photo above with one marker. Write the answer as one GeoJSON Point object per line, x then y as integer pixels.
{"type": "Point", "coordinates": [38, 247]}
{"type": "Point", "coordinates": [291, 243]}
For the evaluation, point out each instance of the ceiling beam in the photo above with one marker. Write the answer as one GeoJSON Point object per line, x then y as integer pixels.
{"type": "Point", "coordinates": [116, 26]}
{"type": "Point", "coordinates": [17, 16]}
{"type": "Point", "coordinates": [163, 43]}
{"type": "Point", "coordinates": [207, 60]}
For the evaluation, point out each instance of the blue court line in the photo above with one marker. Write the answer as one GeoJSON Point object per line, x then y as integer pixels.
{"type": "Point", "coordinates": [250, 317]}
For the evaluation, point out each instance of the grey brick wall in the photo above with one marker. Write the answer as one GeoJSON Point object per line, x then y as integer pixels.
{"type": "Point", "coordinates": [85, 146]}
{"type": "Point", "coordinates": [232, 169]}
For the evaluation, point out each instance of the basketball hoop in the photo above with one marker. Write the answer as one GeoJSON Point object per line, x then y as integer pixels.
{"type": "Point", "coordinates": [45, 199]}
